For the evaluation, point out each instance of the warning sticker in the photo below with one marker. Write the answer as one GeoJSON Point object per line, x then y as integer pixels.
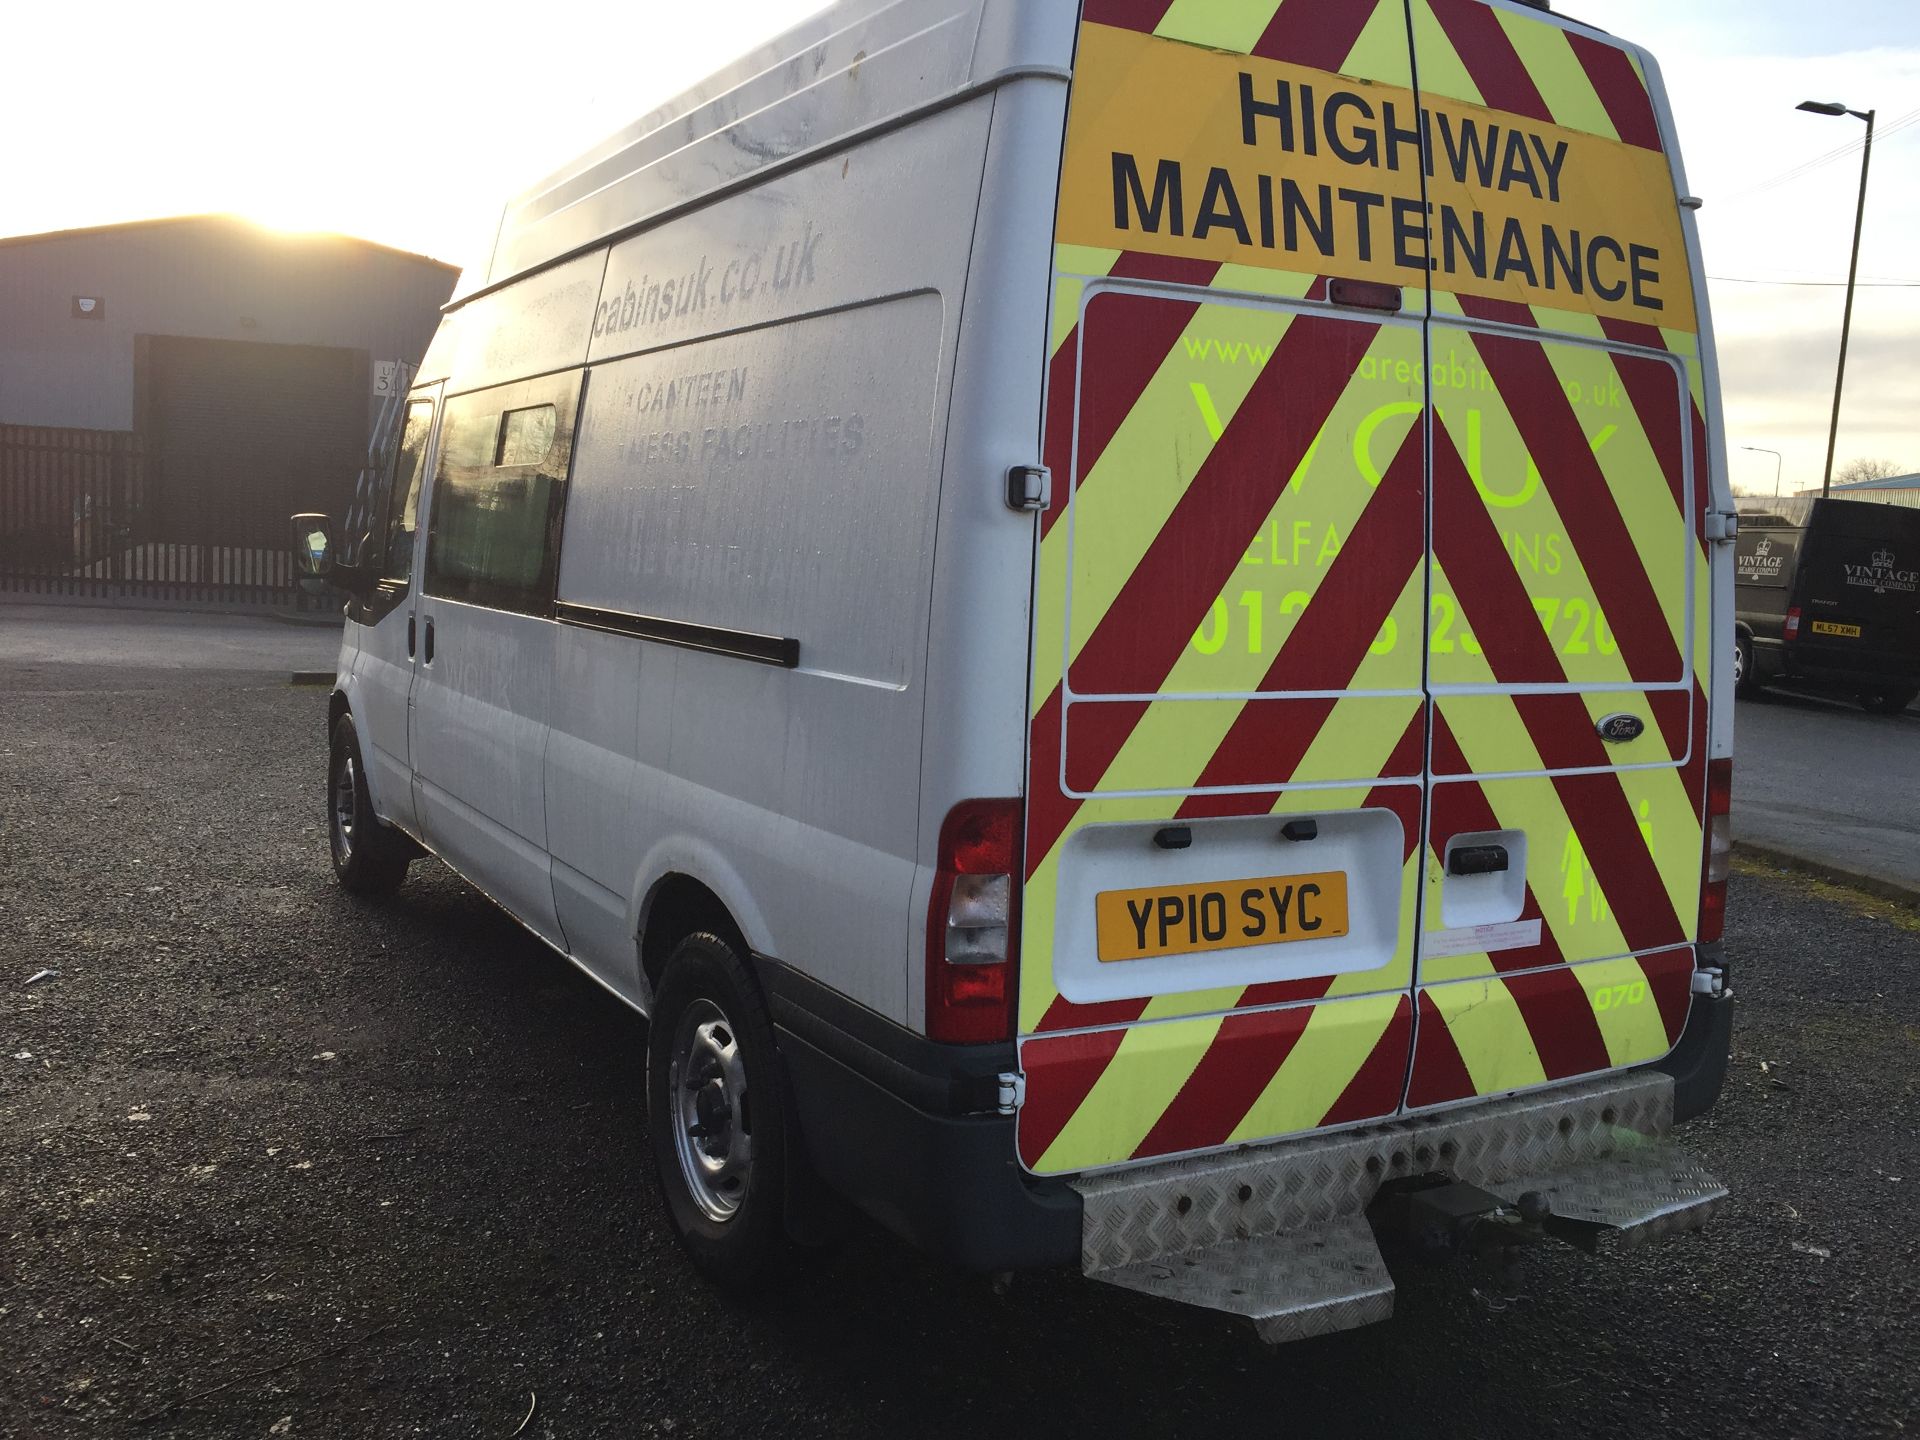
{"type": "Point", "coordinates": [1481, 939]}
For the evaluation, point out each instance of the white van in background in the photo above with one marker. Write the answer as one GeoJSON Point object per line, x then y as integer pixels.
{"type": "Point", "coordinates": [1119, 641]}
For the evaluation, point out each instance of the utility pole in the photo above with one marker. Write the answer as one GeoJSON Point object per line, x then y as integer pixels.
{"type": "Point", "coordinates": [1817, 107]}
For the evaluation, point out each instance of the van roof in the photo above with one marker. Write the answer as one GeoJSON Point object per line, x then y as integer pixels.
{"type": "Point", "coordinates": [854, 66]}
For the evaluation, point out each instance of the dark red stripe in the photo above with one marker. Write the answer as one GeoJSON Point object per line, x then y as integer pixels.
{"type": "Point", "coordinates": [1063, 1014]}
{"type": "Point", "coordinates": [1560, 1017]}
{"type": "Point", "coordinates": [1632, 332]}
{"type": "Point", "coordinates": [1439, 1074]}
{"type": "Point", "coordinates": [1491, 596]}
{"type": "Point", "coordinates": [1140, 15]}
{"type": "Point", "coordinates": [1244, 1057]}
{"type": "Point", "coordinates": [1284, 992]}
{"type": "Point", "coordinates": [1096, 731]}
{"type": "Point", "coordinates": [1655, 392]}
{"type": "Point", "coordinates": [1164, 269]}
{"type": "Point", "coordinates": [1498, 312]}
{"type": "Point", "coordinates": [1610, 835]}
{"type": "Point", "coordinates": [1673, 713]}
{"type": "Point", "coordinates": [1483, 47]}
{"type": "Point", "coordinates": [1151, 621]}
{"type": "Point", "coordinates": [1048, 809]}
{"type": "Point", "coordinates": [1573, 477]}
{"type": "Point", "coordinates": [1061, 1072]}
{"type": "Point", "coordinates": [1056, 435]}
{"type": "Point", "coordinates": [1670, 980]}
{"type": "Point", "coordinates": [1319, 34]}
{"type": "Point", "coordinates": [1269, 738]}
{"type": "Point", "coordinates": [1127, 339]}
{"type": "Point", "coordinates": [1618, 85]}
{"type": "Point", "coordinates": [1201, 543]}
{"type": "Point", "coordinates": [1375, 1089]}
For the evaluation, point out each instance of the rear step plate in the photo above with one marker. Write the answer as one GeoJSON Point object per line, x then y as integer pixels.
{"type": "Point", "coordinates": [1279, 1233]}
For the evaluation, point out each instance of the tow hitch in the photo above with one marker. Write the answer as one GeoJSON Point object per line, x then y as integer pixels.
{"type": "Point", "coordinates": [1290, 1236]}
{"type": "Point", "coordinates": [1436, 1220]}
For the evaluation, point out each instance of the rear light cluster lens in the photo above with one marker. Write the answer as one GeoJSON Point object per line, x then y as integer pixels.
{"type": "Point", "coordinates": [972, 924]}
{"type": "Point", "coordinates": [1719, 860]}
{"type": "Point", "coordinates": [1792, 631]}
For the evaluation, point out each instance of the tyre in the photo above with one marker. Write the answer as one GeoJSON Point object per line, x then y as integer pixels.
{"type": "Point", "coordinates": [369, 856]}
{"type": "Point", "coordinates": [1746, 680]}
{"type": "Point", "coordinates": [718, 1117]}
{"type": "Point", "coordinates": [1889, 702]}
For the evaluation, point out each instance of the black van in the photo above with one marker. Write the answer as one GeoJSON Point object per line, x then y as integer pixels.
{"type": "Point", "coordinates": [1827, 596]}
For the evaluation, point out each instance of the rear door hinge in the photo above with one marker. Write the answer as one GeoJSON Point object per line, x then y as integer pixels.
{"type": "Point", "coordinates": [1013, 1091]}
{"type": "Point", "coordinates": [1029, 487]}
{"type": "Point", "coordinates": [1710, 981]}
{"type": "Point", "coordinates": [1722, 526]}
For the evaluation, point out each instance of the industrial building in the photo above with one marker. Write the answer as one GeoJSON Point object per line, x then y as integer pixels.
{"type": "Point", "coordinates": [171, 390]}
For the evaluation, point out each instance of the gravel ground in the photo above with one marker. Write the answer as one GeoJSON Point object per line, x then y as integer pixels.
{"type": "Point", "coordinates": [276, 1162]}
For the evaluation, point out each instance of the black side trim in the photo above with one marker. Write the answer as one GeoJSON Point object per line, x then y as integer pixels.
{"type": "Point", "coordinates": [1699, 1062]}
{"type": "Point", "coordinates": [940, 1079]}
{"type": "Point", "coordinates": [783, 651]}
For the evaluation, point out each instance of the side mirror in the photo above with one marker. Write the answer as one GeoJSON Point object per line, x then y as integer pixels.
{"type": "Point", "coordinates": [312, 546]}
{"type": "Point", "coordinates": [316, 563]}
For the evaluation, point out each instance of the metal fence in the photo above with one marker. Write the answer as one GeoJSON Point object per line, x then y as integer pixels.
{"type": "Point", "coordinates": [94, 514]}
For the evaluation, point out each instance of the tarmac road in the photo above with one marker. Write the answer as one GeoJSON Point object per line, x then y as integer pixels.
{"type": "Point", "coordinates": [1827, 782]}
{"type": "Point", "coordinates": [276, 1162]}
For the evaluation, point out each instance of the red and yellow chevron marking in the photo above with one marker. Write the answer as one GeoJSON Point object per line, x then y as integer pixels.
{"type": "Point", "coordinates": [1493, 1034]}
{"type": "Point", "coordinates": [1224, 553]}
{"type": "Point", "coordinates": [1231, 607]}
{"type": "Point", "coordinates": [1100, 1097]}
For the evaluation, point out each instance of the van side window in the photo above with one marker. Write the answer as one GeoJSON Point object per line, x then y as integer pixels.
{"type": "Point", "coordinates": [493, 534]}
{"type": "Point", "coordinates": [403, 496]}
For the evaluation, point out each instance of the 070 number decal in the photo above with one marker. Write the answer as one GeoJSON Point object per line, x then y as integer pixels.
{"type": "Point", "coordinates": [1616, 997]}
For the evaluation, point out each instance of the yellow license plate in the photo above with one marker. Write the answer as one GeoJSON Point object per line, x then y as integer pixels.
{"type": "Point", "coordinates": [1829, 627]}
{"type": "Point", "coordinates": [1229, 915]}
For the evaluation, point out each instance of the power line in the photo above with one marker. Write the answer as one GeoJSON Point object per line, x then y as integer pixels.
{"type": "Point", "coordinates": [1852, 147]}
{"type": "Point", "coordinates": [1821, 284]}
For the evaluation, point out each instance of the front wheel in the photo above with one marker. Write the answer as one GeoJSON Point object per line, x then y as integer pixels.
{"type": "Point", "coordinates": [1889, 702]}
{"type": "Point", "coordinates": [369, 856]}
{"type": "Point", "coordinates": [717, 1114]}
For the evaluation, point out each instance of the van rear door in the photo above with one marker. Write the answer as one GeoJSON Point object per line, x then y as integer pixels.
{"type": "Point", "coordinates": [1571, 645]}
{"type": "Point", "coordinates": [1370, 650]}
{"type": "Point", "coordinates": [1228, 722]}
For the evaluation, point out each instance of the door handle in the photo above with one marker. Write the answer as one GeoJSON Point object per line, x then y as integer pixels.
{"type": "Point", "coordinates": [1477, 860]}
{"type": "Point", "coordinates": [409, 637]}
{"type": "Point", "coordinates": [428, 652]}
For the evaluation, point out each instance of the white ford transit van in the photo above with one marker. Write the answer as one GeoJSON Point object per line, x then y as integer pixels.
{"type": "Point", "coordinates": [1115, 617]}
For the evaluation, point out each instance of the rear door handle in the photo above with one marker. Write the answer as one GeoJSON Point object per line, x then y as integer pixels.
{"type": "Point", "coordinates": [1476, 860]}
{"type": "Point", "coordinates": [409, 637]}
{"type": "Point", "coordinates": [428, 653]}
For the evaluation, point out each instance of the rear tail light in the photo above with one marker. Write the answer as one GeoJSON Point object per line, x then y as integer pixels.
{"type": "Point", "coordinates": [1719, 860]}
{"type": "Point", "coordinates": [1793, 623]}
{"type": "Point", "coordinates": [973, 924]}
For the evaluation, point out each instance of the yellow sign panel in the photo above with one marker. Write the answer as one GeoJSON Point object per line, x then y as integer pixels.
{"type": "Point", "coordinates": [1228, 915]}
{"type": "Point", "coordinates": [1180, 150]}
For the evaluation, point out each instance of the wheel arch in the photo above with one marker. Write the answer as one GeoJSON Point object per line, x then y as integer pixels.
{"type": "Point", "coordinates": [683, 897]}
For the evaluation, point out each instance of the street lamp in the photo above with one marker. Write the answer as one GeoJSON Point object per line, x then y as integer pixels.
{"type": "Point", "coordinates": [1818, 107]}
{"type": "Point", "coordinates": [1762, 450]}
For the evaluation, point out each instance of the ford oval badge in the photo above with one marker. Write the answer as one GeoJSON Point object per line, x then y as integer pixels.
{"type": "Point", "coordinates": [1620, 727]}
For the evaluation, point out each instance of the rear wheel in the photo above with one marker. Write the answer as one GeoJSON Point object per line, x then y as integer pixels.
{"type": "Point", "coordinates": [1889, 702]}
{"type": "Point", "coordinates": [369, 856]}
{"type": "Point", "coordinates": [717, 1114]}
{"type": "Point", "coordinates": [1746, 681]}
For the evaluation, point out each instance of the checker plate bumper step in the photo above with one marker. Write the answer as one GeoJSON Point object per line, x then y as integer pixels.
{"type": "Point", "coordinates": [1279, 1233]}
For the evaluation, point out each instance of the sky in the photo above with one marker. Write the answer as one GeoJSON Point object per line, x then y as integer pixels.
{"type": "Point", "coordinates": [411, 123]}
